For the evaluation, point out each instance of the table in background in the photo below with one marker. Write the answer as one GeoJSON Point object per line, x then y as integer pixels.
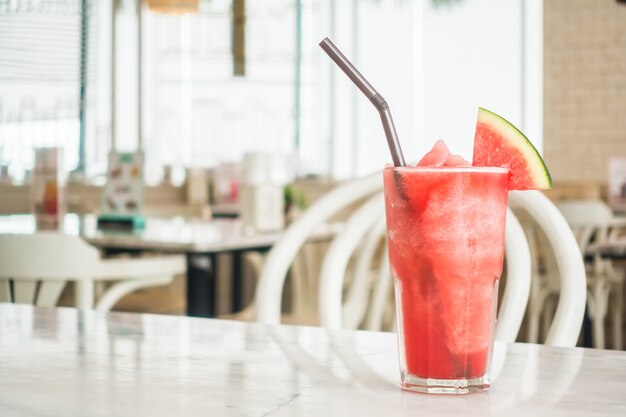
{"type": "Point", "coordinates": [64, 362]}
{"type": "Point", "coordinates": [615, 249]}
{"type": "Point", "coordinates": [200, 240]}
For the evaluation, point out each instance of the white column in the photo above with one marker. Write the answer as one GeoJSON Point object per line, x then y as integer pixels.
{"type": "Point", "coordinates": [532, 71]}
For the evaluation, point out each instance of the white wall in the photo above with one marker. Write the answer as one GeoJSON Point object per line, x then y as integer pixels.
{"type": "Point", "coordinates": [472, 57]}
{"type": "Point", "coordinates": [436, 65]}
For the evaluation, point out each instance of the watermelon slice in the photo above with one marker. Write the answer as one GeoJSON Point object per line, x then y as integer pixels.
{"type": "Point", "coordinates": [498, 143]}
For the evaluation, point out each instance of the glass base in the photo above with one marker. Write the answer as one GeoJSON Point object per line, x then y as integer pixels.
{"type": "Point", "coordinates": [444, 386]}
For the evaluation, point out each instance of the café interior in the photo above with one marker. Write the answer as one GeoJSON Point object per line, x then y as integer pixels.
{"type": "Point", "coordinates": [201, 207]}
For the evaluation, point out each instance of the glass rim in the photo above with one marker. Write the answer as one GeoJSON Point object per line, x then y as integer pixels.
{"type": "Point", "coordinates": [408, 169]}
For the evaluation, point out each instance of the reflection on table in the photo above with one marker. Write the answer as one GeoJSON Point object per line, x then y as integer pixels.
{"type": "Point", "coordinates": [128, 365]}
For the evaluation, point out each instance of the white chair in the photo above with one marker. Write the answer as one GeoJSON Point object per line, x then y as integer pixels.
{"type": "Point", "coordinates": [570, 309]}
{"type": "Point", "coordinates": [545, 282]}
{"type": "Point", "coordinates": [277, 264]}
{"type": "Point", "coordinates": [34, 269]}
{"type": "Point", "coordinates": [360, 232]}
{"type": "Point", "coordinates": [335, 315]}
{"type": "Point", "coordinates": [361, 237]}
{"type": "Point", "coordinates": [594, 224]}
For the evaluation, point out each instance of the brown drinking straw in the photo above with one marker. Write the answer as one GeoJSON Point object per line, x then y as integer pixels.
{"type": "Point", "coordinates": [377, 100]}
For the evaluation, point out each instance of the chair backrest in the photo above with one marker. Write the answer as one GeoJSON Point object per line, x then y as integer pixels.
{"type": "Point", "coordinates": [366, 226]}
{"type": "Point", "coordinates": [585, 211]}
{"type": "Point", "coordinates": [272, 278]}
{"type": "Point", "coordinates": [334, 314]}
{"type": "Point", "coordinates": [39, 265]}
{"type": "Point", "coordinates": [364, 229]}
{"type": "Point", "coordinates": [570, 311]}
{"type": "Point", "coordinates": [545, 283]}
{"type": "Point", "coordinates": [586, 218]}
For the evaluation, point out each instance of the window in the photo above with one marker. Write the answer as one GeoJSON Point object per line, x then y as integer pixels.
{"type": "Point", "coordinates": [434, 62]}
{"type": "Point", "coordinates": [40, 70]}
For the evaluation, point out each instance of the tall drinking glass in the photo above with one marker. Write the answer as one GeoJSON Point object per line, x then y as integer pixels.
{"type": "Point", "coordinates": [445, 229]}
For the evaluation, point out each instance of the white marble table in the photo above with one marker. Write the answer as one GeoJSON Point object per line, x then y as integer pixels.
{"type": "Point", "coordinates": [60, 362]}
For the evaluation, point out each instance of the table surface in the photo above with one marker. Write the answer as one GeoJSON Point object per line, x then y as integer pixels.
{"type": "Point", "coordinates": [62, 362]}
{"type": "Point", "coordinates": [175, 234]}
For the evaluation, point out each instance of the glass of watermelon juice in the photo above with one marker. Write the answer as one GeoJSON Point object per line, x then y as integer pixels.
{"type": "Point", "coordinates": [445, 229]}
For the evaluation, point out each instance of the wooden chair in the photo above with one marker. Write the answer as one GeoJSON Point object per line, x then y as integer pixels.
{"type": "Point", "coordinates": [34, 269]}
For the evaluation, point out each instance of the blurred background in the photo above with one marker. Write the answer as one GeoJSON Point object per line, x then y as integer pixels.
{"type": "Point", "coordinates": [196, 83]}
{"type": "Point", "coordinates": [204, 109]}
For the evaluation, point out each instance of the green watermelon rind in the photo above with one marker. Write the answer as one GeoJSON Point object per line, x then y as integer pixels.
{"type": "Point", "coordinates": [536, 165]}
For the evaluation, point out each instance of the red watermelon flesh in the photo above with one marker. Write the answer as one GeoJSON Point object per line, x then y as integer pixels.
{"type": "Point", "coordinates": [497, 143]}
{"type": "Point", "coordinates": [440, 156]}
